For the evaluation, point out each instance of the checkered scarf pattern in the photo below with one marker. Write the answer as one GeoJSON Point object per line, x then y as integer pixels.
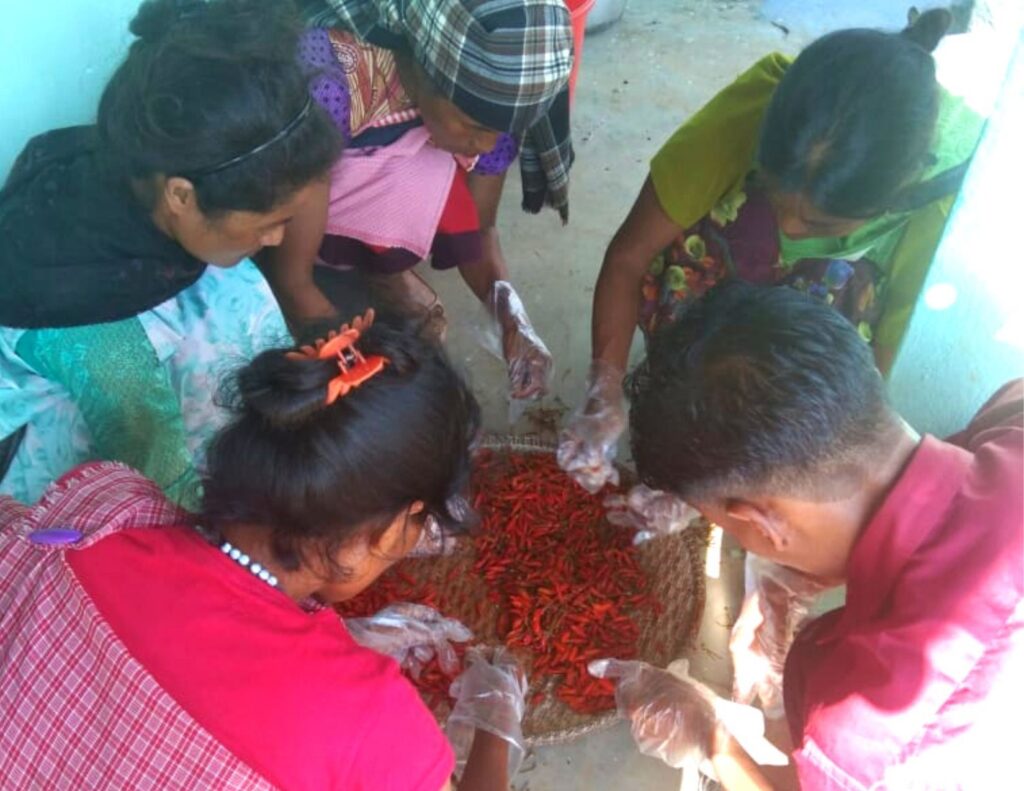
{"type": "Point", "coordinates": [505, 63]}
{"type": "Point", "coordinates": [78, 710]}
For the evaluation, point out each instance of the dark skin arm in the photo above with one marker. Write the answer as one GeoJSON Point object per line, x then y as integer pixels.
{"type": "Point", "coordinates": [481, 275]}
{"type": "Point", "coordinates": [646, 231]}
{"type": "Point", "coordinates": [288, 267]}
{"type": "Point", "coordinates": [526, 370]}
{"type": "Point", "coordinates": [487, 764]}
{"type": "Point", "coordinates": [884, 357]}
{"type": "Point", "coordinates": [737, 772]}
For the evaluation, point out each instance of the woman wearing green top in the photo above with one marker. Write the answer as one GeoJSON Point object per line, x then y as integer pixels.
{"type": "Point", "coordinates": [832, 173]}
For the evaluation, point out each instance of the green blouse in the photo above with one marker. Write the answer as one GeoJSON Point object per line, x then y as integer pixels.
{"type": "Point", "coordinates": [710, 155]}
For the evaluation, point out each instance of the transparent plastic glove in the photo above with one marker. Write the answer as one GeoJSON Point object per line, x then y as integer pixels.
{"type": "Point", "coordinates": [490, 695]}
{"type": "Point", "coordinates": [674, 717]}
{"type": "Point", "coordinates": [776, 607]}
{"type": "Point", "coordinates": [587, 445]}
{"type": "Point", "coordinates": [432, 541]}
{"type": "Point", "coordinates": [671, 715]}
{"type": "Point", "coordinates": [529, 362]}
{"type": "Point", "coordinates": [412, 635]}
{"type": "Point", "coordinates": [651, 512]}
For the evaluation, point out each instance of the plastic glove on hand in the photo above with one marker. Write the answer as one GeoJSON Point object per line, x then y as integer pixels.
{"type": "Point", "coordinates": [432, 541]}
{"type": "Point", "coordinates": [529, 362]}
{"type": "Point", "coordinates": [671, 715]}
{"type": "Point", "coordinates": [489, 695]}
{"type": "Point", "coordinates": [412, 635]}
{"type": "Point", "coordinates": [587, 446]}
{"type": "Point", "coordinates": [651, 512]}
{"type": "Point", "coordinates": [777, 606]}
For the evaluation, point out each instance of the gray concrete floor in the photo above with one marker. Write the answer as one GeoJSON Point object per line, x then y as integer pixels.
{"type": "Point", "coordinates": [639, 80]}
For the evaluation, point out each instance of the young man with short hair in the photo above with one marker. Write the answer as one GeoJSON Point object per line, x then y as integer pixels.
{"type": "Point", "coordinates": [763, 409]}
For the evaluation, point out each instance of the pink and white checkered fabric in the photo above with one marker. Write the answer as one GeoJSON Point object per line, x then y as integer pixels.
{"type": "Point", "coordinates": [77, 711]}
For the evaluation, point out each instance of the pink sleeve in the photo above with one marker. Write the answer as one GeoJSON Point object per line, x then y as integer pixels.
{"type": "Point", "coordinates": [404, 749]}
{"type": "Point", "coordinates": [816, 770]}
{"type": "Point", "coordinates": [1004, 410]}
{"type": "Point", "coordinates": [863, 705]}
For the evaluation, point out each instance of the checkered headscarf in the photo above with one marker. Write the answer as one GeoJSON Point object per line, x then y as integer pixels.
{"type": "Point", "coordinates": [505, 63]}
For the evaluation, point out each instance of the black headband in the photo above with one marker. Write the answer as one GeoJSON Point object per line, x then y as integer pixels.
{"type": "Point", "coordinates": [287, 130]}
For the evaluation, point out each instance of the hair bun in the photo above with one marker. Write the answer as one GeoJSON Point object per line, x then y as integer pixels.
{"type": "Point", "coordinates": [284, 391]}
{"type": "Point", "coordinates": [155, 17]}
{"type": "Point", "coordinates": [927, 29]}
{"type": "Point", "coordinates": [254, 30]}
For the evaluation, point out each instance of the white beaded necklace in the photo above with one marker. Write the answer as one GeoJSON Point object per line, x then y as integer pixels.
{"type": "Point", "coordinates": [246, 562]}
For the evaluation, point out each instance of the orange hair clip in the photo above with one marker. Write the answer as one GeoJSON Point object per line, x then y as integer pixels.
{"type": "Point", "coordinates": [353, 366]}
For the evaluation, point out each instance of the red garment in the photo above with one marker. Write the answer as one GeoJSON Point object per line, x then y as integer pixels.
{"type": "Point", "coordinates": [77, 710]}
{"type": "Point", "coordinates": [271, 691]}
{"type": "Point", "coordinates": [917, 682]}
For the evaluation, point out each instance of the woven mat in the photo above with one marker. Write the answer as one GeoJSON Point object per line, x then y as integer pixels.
{"type": "Point", "coordinates": [674, 565]}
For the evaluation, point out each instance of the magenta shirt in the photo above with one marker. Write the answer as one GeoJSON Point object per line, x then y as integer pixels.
{"type": "Point", "coordinates": [919, 680]}
{"type": "Point", "coordinates": [287, 691]}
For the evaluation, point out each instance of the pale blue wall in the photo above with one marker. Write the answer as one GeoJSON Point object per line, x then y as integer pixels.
{"type": "Point", "coordinates": [966, 336]}
{"type": "Point", "coordinates": [54, 60]}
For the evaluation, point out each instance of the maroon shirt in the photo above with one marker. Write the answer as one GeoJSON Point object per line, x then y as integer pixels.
{"type": "Point", "coordinates": [918, 682]}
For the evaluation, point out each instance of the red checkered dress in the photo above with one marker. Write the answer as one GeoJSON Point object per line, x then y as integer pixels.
{"type": "Point", "coordinates": [77, 711]}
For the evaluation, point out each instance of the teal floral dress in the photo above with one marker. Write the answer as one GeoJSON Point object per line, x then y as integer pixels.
{"type": "Point", "coordinates": [142, 390]}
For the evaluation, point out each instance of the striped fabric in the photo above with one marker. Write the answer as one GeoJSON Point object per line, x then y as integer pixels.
{"type": "Point", "coordinates": [505, 63]}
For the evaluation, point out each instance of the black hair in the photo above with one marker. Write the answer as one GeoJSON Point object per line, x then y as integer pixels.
{"type": "Point", "coordinates": [206, 82]}
{"type": "Point", "coordinates": [757, 390]}
{"type": "Point", "coordinates": [319, 475]}
{"type": "Point", "coordinates": [851, 124]}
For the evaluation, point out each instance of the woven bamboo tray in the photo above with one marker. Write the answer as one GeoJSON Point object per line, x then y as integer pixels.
{"type": "Point", "coordinates": [674, 564]}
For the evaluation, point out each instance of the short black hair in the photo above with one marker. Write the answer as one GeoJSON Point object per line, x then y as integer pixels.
{"type": "Point", "coordinates": [851, 124]}
{"type": "Point", "coordinates": [208, 81]}
{"type": "Point", "coordinates": [757, 390]}
{"type": "Point", "coordinates": [323, 474]}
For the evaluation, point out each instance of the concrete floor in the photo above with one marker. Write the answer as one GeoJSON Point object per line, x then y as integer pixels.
{"type": "Point", "coordinates": [638, 81]}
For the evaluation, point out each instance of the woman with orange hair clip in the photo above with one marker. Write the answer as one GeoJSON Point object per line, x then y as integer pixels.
{"type": "Point", "coordinates": [187, 651]}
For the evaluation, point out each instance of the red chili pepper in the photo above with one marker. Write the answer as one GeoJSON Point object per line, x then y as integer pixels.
{"type": "Point", "coordinates": [567, 585]}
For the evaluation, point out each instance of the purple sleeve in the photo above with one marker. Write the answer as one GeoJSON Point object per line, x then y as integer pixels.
{"type": "Point", "coordinates": [327, 83]}
{"type": "Point", "coordinates": [498, 159]}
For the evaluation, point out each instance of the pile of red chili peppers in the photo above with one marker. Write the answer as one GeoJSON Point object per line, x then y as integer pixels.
{"type": "Point", "coordinates": [566, 585]}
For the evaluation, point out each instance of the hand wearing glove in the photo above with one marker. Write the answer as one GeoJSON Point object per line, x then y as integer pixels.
{"type": "Point", "coordinates": [679, 720]}
{"type": "Point", "coordinates": [776, 607]}
{"type": "Point", "coordinates": [412, 635]}
{"type": "Point", "coordinates": [432, 541]}
{"type": "Point", "coordinates": [651, 512]}
{"type": "Point", "coordinates": [671, 715]}
{"type": "Point", "coordinates": [529, 362]}
{"type": "Point", "coordinates": [490, 695]}
{"type": "Point", "coordinates": [587, 446]}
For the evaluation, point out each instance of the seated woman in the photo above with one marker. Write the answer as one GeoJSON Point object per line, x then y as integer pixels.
{"type": "Point", "coordinates": [197, 652]}
{"type": "Point", "coordinates": [435, 101]}
{"type": "Point", "coordinates": [832, 174]}
{"type": "Point", "coordinates": [125, 244]}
